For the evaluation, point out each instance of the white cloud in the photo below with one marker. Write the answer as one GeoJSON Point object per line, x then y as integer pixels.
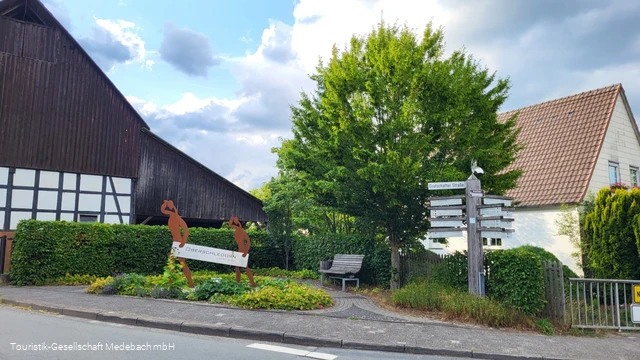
{"type": "Point", "coordinates": [123, 32]}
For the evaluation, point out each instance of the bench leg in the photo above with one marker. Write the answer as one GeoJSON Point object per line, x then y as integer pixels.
{"type": "Point", "coordinates": [321, 279]}
{"type": "Point", "coordinates": [343, 281]}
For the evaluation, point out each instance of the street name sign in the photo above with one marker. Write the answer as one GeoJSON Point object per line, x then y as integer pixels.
{"type": "Point", "coordinates": [497, 211]}
{"type": "Point", "coordinates": [492, 199]}
{"type": "Point", "coordinates": [209, 254]}
{"type": "Point", "coordinates": [451, 212]}
{"type": "Point", "coordinates": [445, 202]}
{"type": "Point", "coordinates": [444, 233]}
{"type": "Point", "coordinates": [496, 222]}
{"type": "Point", "coordinates": [447, 185]}
{"type": "Point", "coordinates": [440, 223]}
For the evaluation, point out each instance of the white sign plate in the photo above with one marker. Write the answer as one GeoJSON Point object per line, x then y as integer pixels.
{"type": "Point", "coordinates": [445, 202]}
{"type": "Point", "coordinates": [452, 212]}
{"type": "Point", "coordinates": [497, 224]}
{"type": "Point", "coordinates": [635, 313]}
{"type": "Point", "coordinates": [442, 223]}
{"type": "Point", "coordinates": [476, 193]}
{"type": "Point", "coordinates": [447, 185]}
{"type": "Point", "coordinates": [209, 254]}
{"type": "Point", "coordinates": [497, 235]}
{"type": "Point", "coordinates": [490, 201]}
{"type": "Point", "coordinates": [444, 234]}
{"type": "Point", "coordinates": [496, 211]}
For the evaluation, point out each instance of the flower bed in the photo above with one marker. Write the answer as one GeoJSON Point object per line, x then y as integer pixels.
{"type": "Point", "coordinates": [270, 293]}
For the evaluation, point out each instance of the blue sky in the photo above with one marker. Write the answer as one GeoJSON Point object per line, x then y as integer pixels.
{"type": "Point", "coordinates": [216, 77]}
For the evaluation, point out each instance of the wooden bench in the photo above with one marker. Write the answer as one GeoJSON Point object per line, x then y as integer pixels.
{"type": "Point", "coordinates": [343, 267]}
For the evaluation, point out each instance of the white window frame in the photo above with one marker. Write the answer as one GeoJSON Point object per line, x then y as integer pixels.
{"type": "Point", "coordinates": [616, 166]}
{"type": "Point", "coordinates": [633, 169]}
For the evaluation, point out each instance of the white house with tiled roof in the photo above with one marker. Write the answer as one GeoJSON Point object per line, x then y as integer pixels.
{"type": "Point", "coordinates": [573, 145]}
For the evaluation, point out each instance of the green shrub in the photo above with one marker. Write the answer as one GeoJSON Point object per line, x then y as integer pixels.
{"type": "Point", "coordinates": [453, 271]}
{"type": "Point", "coordinates": [98, 285]}
{"type": "Point", "coordinates": [610, 242]}
{"type": "Point", "coordinates": [74, 280]}
{"type": "Point", "coordinates": [459, 305]}
{"type": "Point", "coordinates": [287, 297]}
{"type": "Point", "coordinates": [172, 282]}
{"type": "Point", "coordinates": [277, 272]}
{"type": "Point", "coordinates": [516, 278]}
{"type": "Point", "coordinates": [126, 284]}
{"type": "Point", "coordinates": [213, 286]}
{"type": "Point", "coordinates": [308, 251]}
{"type": "Point", "coordinates": [545, 327]}
{"type": "Point", "coordinates": [545, 255]}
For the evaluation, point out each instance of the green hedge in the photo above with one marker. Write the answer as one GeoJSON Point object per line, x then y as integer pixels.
{"type": "Point", "coordinates": [545, 255]}
{"type": "Point", "coordinates": [308, 251]}
{"type": "Point", "coordinates": [46, 250]}
{"type": "Point", "coordinates": [516, 278]}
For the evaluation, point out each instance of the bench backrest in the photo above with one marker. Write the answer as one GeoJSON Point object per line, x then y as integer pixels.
{"type": "Point", "coordinates": [347, 263]}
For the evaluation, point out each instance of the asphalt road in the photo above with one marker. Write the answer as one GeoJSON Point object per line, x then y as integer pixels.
{"type": "Point", "coordinates": [35, 335]}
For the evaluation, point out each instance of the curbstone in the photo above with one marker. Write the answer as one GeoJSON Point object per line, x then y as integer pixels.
{"type": "Point", "coordinates": [80, 313]}
{"type": "Point", "coordinates": [118, 319]}
{"type": "Point", "coordinates": [204, 329]}
{"type": "Point", "coordinates": [256, 334]}
{"type": "Point", "coordinates": [14, 303]}
{"type": "Point", "coordinates": [371, 346]}
{"type": "Point", "coordinates": [480, 355]}
{"type": "Point", "coordinates": [159, 324]}
{"type": "Point", "coordinates": [46, 308]}
{"type": "Point", "coordinates": [311, 341]}
{"type": "Point", "coordinates": [438, 352]}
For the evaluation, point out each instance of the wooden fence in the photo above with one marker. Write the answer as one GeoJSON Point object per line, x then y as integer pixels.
{"type": "Point", "coordinates": [555, 306]}
{"type": "Point", "coordinates": [418, 266]}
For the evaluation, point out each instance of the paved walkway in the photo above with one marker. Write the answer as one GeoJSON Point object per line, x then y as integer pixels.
{"type": "Point", "coordinates": [349, 305]}
{"type": "Point", "coordinates": [330, 328]}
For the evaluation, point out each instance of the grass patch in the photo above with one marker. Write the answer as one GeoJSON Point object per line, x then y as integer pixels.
{"type": "Point", "coordinates": [458, 305]}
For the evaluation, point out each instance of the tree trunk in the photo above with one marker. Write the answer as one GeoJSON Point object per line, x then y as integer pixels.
{"type": "Point", "coordinates": [395, 266]}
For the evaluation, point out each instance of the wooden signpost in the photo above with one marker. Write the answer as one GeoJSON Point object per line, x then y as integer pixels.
{"type": "Point", "coordinates": [481, 215]}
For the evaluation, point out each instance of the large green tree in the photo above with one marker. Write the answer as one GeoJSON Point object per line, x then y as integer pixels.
{"type": "Point", "coordinates": [391, 113]}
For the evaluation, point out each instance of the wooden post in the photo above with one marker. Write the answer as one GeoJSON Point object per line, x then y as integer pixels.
{"type": "Point", "coordinates": [7, 256]}
{"type": "Point", "coordinates": [474, 242]}
{"type": "Point", "coordinates": [3, 246]}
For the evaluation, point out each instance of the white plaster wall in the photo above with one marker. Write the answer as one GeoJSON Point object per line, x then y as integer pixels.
{"type": "Point", "coordinates": [532, 227]}
{"type": "Point", "coordinates": [4, 175]}
{"type": "Point", "coordinates": [620, 145]}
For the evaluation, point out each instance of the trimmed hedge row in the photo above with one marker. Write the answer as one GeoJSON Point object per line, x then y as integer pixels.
{"type": "Point", "coordinates": [514, 277]}
{"type": "Point", "coordinates": [308, 251]}
{"type": "Point", "coordinates": [45, 250]}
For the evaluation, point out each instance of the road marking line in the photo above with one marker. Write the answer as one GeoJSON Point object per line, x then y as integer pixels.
{"type": "Point", "coordinates": [281, 349]}
{"type": "Point", "coordinates": [286, 350]}
{"type": "Point", "coordinates": [321, 356]}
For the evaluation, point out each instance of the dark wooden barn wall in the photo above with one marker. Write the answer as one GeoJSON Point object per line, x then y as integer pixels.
{"type": "Point", "coordinates": [57, 111]}
{"type": "Point", "coordinates": [196, 192]}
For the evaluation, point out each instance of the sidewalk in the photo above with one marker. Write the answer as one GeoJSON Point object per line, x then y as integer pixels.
{"type": "Point", "coordinates": [378, 330]}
